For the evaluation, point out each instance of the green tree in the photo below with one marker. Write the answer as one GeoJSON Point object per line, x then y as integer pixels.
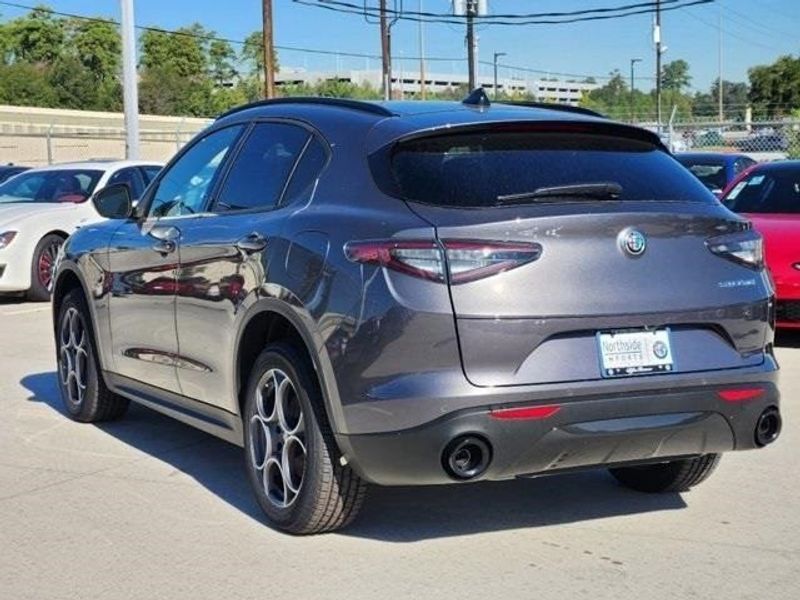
{"type": "Point", "coordinates": [98, 47]}
{"type": "Point", "coordinates": [253, 53]}
{"type": "Point", "coordinates": [675, 75]}
{"type": "Point", "coordinates": [775, 88]}
{"type": "Point", "coordinates": [734, 100]}
{"type": "Point", "coordinates": [25, 84]}
{"type": "Point", "coordinates": [183, 52]}
{"type": "Point", "coordinates": [221, 57]}
{"type": "Point", "coordinates": [36, 38]}
{"type": "Point", "coordinates": [73, 84]}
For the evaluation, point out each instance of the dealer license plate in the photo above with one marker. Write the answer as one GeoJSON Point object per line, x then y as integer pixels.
{"type": "Point", "coordinates": [628, 353]}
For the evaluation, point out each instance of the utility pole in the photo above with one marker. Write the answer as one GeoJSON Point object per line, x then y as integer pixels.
{"type": "Point", "coordinates": [269, 51]}
{"type": "Point", "coordinates": [720, 91]}
{"type": "Point", "coordinates": [657, 39]}
{"type": "Point", "coordinates": [422, 90]}
{"type": "Point", "coordinates": [130, 81]}
{"type": "Point", "coordinates": [496, 56]}
{"type": "Point", "coordinates": [633, 87]}
{"type": "Point", "coordinates": [472, 45]}
{"type": "Point", "coordinates": [386, 52]}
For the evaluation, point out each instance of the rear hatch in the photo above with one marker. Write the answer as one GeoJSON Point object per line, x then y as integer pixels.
{"type": "Point", "coordinates": [588, 234]}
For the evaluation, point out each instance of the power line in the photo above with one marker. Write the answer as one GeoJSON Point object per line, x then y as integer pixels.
{"type": "Point", "coordinates": [344, 7]}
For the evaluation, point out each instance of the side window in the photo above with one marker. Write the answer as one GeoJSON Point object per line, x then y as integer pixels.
{"type": "Point", "coordinates": [741, 164]}
{"type": "Point", "coordinates": [132, 178]}
{"type": "Point", "coordinates": [150, 172]}
{"type": "Point", "coordinates": [184, 188]}
{"type": "Point", "coordinates": [260, 170]}
{"type": "Point", "coordinates": [305, 175]}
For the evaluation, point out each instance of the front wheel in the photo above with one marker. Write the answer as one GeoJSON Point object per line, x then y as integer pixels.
{"type": "Point", "coordinates": [292, 460]}
{"type": "Point", "coordinates": [43, 266]}
{"type": "Point", "coordinates": [674, 476]}
{"type": "Point", "coordinates": [83, 390]}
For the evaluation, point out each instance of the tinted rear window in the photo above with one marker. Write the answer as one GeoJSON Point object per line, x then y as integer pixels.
{"type": "Point", "coordinates": [766, 192]}
{"type": "Point", "coordinates": [473, 169]}
{"type": "Point", "coordinates": [710, 172]}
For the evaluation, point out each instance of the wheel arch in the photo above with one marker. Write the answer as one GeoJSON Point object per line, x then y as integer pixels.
{"type": "Point", "coordinates": [272, 321]}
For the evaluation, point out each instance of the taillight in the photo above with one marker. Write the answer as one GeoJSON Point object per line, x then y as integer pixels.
{"type": "Point", "coordinates": [745, 248]}
{"type": "Point", "coordinates": [741, 394]}
{"type": "Point", "coordinates": [463, 260]}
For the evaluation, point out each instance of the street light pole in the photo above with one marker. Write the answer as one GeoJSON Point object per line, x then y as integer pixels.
{"type": "Point", "coordinates": [130, 83]}
{"type": "Point", "coordinates": [633, 87]}
{"type": "Point", "coordinates": [496, 56]}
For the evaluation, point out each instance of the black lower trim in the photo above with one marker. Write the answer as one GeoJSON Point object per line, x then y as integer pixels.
{"type": "Point", "coordinates": [624, 429]}
{"type": "Point", "coordinates": [206, 417]}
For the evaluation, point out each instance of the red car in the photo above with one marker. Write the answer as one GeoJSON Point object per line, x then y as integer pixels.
{"type": "Point", "coordinates": [769, 195]}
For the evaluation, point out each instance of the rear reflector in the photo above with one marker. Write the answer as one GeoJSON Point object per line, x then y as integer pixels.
{"type": "Point", "coordinates": [530, 413]}
{"type": "Point", "coordinates": [740, 394]}
{"type": "Point", "coordinates": [463, 260]}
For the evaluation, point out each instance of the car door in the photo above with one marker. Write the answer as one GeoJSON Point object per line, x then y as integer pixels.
{"type": "Point", "coordinates": [225, 259]}
{"type": "Point", "coordinates": [143, 262]}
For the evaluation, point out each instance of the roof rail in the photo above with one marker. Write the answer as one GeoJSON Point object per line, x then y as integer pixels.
{"type": "Point", "coordinates": [553, 106]}
{"type": "Point", "coordinates": [370, 107]}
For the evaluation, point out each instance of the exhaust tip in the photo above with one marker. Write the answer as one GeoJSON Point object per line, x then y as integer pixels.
{"type": "Point", "coordinates": [466, 457]}
{"type": "Point", "coordinates": [768, 426]}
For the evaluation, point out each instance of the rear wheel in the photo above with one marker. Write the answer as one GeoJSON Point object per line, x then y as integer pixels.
{"type": "Point", "coordinates": [42, 267]}
{"type": "Point", "coordinates": [292, 460]}
{"type": "Point", "coordinates": [674, 476]}
{"type": "Point", "coordinates": [83, 390]}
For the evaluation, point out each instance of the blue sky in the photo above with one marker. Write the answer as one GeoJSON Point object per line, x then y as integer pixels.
{"type": "Point", "coordinates": [754, 33]}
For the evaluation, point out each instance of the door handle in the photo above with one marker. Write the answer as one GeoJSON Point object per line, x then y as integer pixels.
{"type": "Point", "coordinates": [254, 242]}
{"type": "Point", "coordinates": [164, 247]}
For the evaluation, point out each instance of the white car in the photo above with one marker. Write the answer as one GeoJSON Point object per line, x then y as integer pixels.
{"type": "Point", "coordinates": [40, 208]}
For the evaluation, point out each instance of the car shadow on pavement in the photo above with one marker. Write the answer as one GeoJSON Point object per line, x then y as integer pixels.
{"type": "Point", "coordinates": [400, 514]}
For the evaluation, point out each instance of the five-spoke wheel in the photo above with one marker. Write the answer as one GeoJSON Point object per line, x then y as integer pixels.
{"type": "Point", "coordinates": [277, 430]}
{"type": "Point", "coordinates": [292, 459]}
{"type": "Point", "coordinates": [73, 355]}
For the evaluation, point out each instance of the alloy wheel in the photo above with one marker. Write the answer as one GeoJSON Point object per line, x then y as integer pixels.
{"type": "Point", "coordinates": [73, 356]}
{"type": "Point", "coordinates": [277, 434]}
{"type": "Point", "coordinates": [46, 263]}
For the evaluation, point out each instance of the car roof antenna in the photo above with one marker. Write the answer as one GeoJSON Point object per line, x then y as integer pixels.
{"type": "Point", "coordinates": [478, 98]}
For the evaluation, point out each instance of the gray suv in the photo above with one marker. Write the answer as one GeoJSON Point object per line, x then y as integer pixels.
{"type": "Point", "coordinates": [415, 293]}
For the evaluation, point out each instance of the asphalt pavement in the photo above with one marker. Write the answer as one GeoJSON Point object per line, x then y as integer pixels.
{"type": "Point", "coordinates": [150, 508]}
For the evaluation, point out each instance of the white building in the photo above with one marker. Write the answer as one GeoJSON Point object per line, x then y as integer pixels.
{"type": "Point", "coordinates": [544, 90]}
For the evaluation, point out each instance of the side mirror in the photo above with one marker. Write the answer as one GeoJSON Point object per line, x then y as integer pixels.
{"type": "Point", "coordinates": [114, 202]}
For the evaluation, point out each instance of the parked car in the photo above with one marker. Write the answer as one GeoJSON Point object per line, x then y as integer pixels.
{"type": "Point", "coordinates": [772, 142]}
{"type": "Point", "coordinates": [705, 139]}
{"type": "Point", "coordinates": [769, 195]}
{"type": "Point", "coordinates": [417, 293]}
{"type": "Point", "coordinates": [8, 171]}
{"type": "Point", "coordinates": [716, 170]}
{"type": "Point", "coordinates": [41, 207]}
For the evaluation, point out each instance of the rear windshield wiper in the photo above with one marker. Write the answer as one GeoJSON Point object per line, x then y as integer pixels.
{"type": "Point", "coordinates": [606, 190]}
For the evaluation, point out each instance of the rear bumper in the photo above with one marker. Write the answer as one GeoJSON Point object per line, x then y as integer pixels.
{"type": "Point", "coordinates": [587, 432]}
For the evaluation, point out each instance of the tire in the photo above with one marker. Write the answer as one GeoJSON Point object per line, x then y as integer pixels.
{"type": "Point", "coordinates": [674, 476]}
{"type": "Point", "coordinates": [83, 391]}
{"type": "Point", "coordinates": [291, 458]}
{"type": "Point", "coordinates": [44, 258]}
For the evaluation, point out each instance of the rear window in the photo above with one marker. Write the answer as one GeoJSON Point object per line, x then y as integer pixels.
{"type": "Point", "coordinates": [710, 173]}
{"type": "Point", "coordinates": [766, 192]}
{"type": "Point", "coordinates": [473, 169]}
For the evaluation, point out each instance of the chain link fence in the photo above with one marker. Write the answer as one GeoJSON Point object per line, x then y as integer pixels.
{"type": "Point", "coordinates": [761, 140]}
{"type": "Point", "coordinates": [36, 144]}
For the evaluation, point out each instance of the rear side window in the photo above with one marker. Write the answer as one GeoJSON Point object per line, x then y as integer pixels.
{"type": "Point", "coordinates": [766, 192]}
{"type": "Point", "coordinates": [261, 169]}
{"type": "Point", "coordinates": [304, 178]}
{"type": "Point", "coordinates": [473, 169]}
